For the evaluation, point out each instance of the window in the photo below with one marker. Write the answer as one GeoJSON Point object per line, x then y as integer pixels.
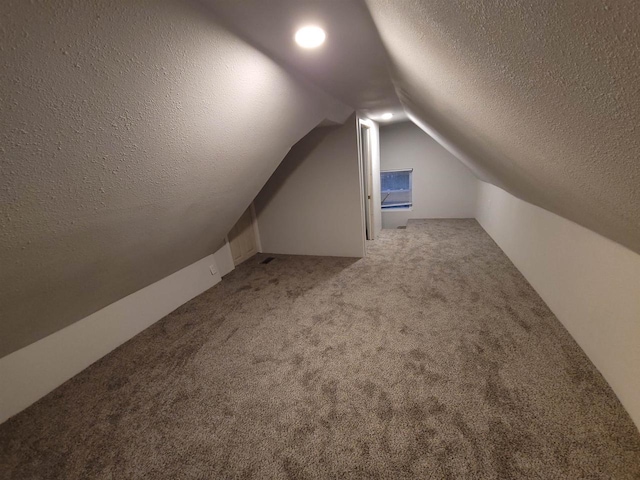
{"type": "Point", "coordinates": [396, 189]}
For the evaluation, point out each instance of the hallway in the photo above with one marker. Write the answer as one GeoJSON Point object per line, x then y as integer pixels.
{"type": "Point", "coordinates": [430, 358]}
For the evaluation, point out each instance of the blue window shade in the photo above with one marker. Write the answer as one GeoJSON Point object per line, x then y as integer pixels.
{"type": "Point", "coordinates": [396, 189]}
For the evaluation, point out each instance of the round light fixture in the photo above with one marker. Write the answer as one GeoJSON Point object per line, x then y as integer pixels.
{"type": "Point", "coordinates": [310, 37]}
{"type": "Point", "coordinates": [386, 116]}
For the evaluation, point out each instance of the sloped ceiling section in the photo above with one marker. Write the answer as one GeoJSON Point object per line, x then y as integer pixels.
{"type": "Point", "coordinates": [133, 135]}
{"type": "Point", "coordinates": [541, 98]}
{"type": "Point", "coordinates": [352, 64]}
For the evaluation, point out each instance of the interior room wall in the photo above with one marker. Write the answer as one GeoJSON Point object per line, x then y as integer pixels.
{"type": "Point", "coordinates": [137, 134]}
{"type": "Point", "coordinates": [311, 205]}
{"type": "Point", "coordinates": [591, 283]}
{"type": "Point", "coordinates": [443, 187]}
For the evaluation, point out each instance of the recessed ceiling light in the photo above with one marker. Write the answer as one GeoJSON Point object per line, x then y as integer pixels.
{"type": "Point", "coordinates": [310, 37]}
{"type": "Point", "coordinates": [386, 116]}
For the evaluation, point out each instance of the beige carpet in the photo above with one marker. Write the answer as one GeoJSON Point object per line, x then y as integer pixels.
{"type": "Point", "coordinates": [431, 358]}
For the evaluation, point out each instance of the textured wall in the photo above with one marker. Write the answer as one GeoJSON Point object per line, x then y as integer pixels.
{"type": "Point", "coordinates": [442, 186]}
{"type": "Point", "coordinates": [132, 136]}
{"type": "Point", "coordinates": [543, 98]}
{"type": "Point", "coordinates": [311, 205]}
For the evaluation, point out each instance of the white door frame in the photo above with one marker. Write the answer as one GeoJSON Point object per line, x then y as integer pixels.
{"type": "Point", "coordinates": [366, 178]}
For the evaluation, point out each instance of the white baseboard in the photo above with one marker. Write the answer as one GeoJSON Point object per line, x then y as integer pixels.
{"type": "Point", "coordinates": [35, 370]}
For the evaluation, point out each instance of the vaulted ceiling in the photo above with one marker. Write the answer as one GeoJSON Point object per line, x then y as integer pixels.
{"type": "Point", "coordinates": [539, 98]}
{"type": "Point", "coordinates": [133, 134]}
{"type": "Point", "coordinates": [352, 65]}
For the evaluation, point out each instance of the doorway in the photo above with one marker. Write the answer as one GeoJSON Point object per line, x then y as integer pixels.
{"type": "Point", "coordinates": [366, 169]}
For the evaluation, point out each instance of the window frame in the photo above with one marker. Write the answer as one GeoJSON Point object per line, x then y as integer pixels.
{"type": "Point", "coordinates": [392, 208]}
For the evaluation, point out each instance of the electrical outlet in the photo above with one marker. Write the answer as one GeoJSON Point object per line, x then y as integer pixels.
{"type": "Point", "coordinates": [213, 269]}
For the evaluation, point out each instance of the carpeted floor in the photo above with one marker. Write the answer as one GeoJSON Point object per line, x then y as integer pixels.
{"type": "Point", "coordinates": [431, 358]}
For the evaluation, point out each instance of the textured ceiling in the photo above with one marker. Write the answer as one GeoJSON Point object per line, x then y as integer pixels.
{"type": "Point", "coordinates": [541, 98]}
{"type": "Point", "coordinates": [132, 137]}
{"type": "Point", "coordinates": [352, 65]}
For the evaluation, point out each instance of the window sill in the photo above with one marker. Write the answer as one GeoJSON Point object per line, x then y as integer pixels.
{"type": "Point", "coordinates": [403, 209]}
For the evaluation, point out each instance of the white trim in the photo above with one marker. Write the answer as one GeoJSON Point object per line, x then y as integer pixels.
{"type": "Point", "coordinates": [397, 209]}
{"type": "Point", "coordinates": [224, 259]}
{"type": "Point", "coordinates": [366, 181]}
{"type": "Point", "coordinates": [256, 231]}
{"type": "Point", "coordinates": [35, 370]}
{"type": "Point", "coordinates": [361, 174]}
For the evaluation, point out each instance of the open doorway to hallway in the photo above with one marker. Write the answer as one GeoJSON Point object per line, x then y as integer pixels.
{"type": "Point", "coordinates": [367, 179]}
{"type": "Point", "coordinates": [369, 161]}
